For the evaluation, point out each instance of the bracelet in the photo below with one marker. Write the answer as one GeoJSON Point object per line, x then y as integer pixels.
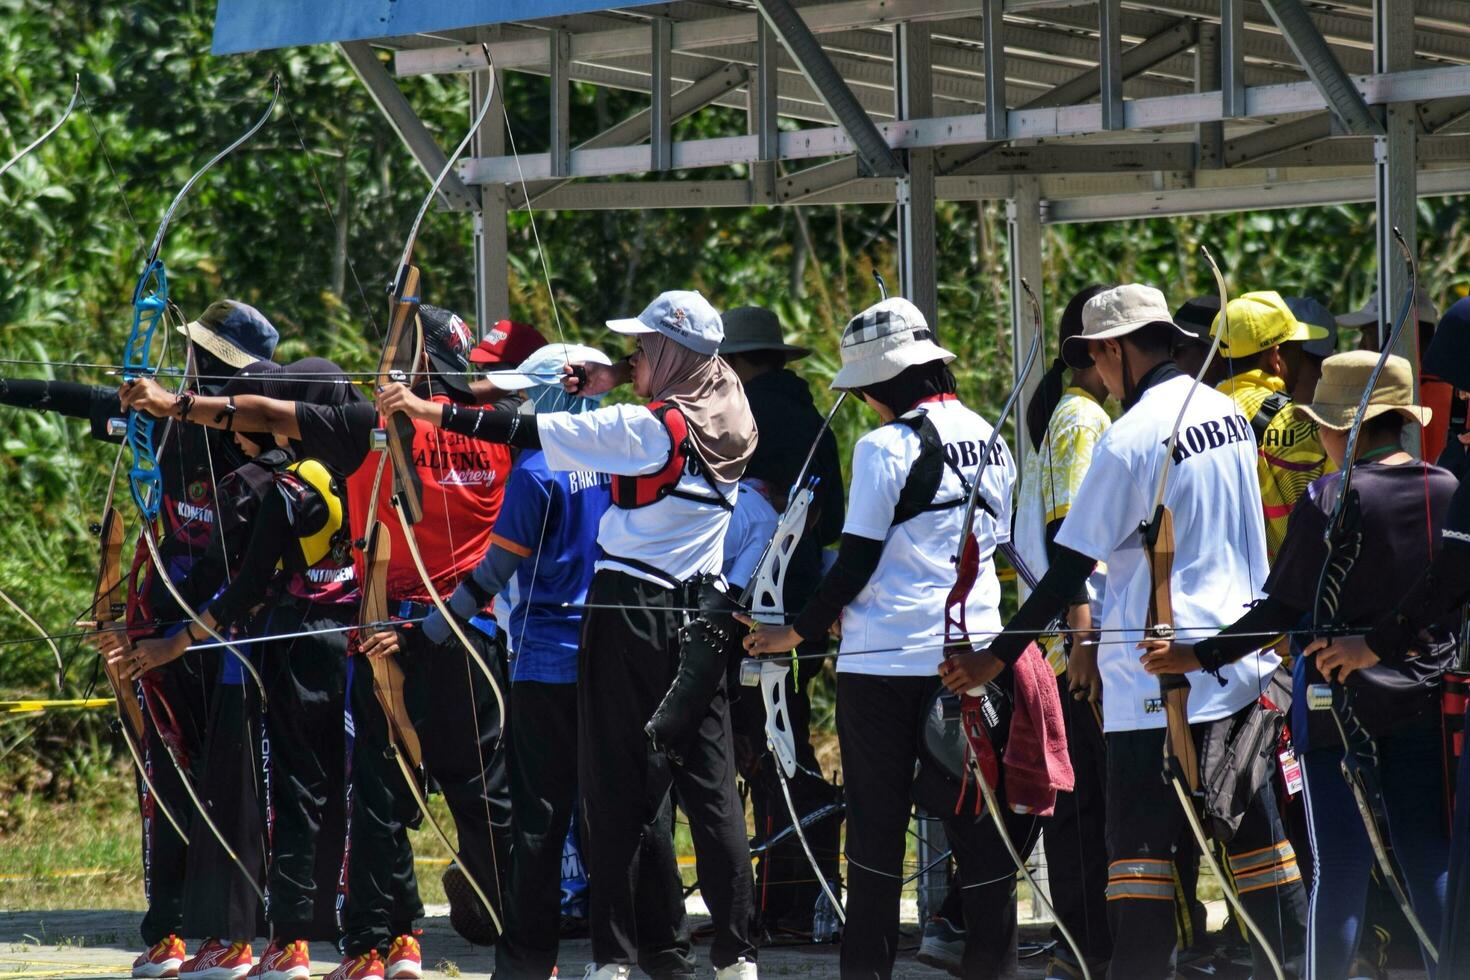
{"type": "Point", "coordinates": [185, 405]}
{"type": "Point", "coordinates": [189, 632]}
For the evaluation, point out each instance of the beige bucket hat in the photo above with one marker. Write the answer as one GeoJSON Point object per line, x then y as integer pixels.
{"type": "Point", "coordinates": [1344, 376]}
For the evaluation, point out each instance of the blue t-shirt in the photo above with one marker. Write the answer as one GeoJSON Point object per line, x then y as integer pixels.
{"type": "Point", "coordinates": [551, 520]}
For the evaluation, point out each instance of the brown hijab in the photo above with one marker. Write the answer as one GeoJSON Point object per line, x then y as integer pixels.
{"type": "Point", "coordinates": [711, 397]}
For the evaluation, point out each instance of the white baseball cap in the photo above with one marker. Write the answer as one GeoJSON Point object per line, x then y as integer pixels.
{"type": "Point", "coordinates": [883, 340]}
{"type": "Point", "coordinates": [544, 366]}
{"type": "Point", "coordinates": [682, 315]}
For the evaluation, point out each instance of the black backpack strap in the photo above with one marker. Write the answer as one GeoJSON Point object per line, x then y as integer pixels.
{"type": "Point", "coordinates": [1273, 404]}
{"type": "Point", "coordinates": [922, 484]}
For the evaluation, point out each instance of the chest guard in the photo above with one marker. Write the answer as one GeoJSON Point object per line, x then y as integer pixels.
{"type": "Point", "coordinates": [630, 492]}
{"type": "Point", "coordinates": [314, 502]}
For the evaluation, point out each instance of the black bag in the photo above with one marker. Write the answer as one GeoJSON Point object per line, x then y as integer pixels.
{"type": "Point", "coordinates": [941, 774]}
{"type": "Point", "coordinates": [1239, 755]}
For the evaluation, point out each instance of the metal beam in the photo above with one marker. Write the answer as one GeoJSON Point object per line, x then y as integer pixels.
{"type": "Point", "coordinates": [1136, 60]}
{"type": "Point", "coordinates": [1266, 101]}
{"type": "Point", "coordinates": [1232, 57]}
{"type": "Point", "coordinates": [1110, 61]}
{"type": "Point", "coordinates": [1245, 197]}
{"type": "Point", "coordinates": [877, 157]}
{"type": "Point", "coordinates": [1209, 136]}
{"type": "Point", "coordinates": [637, 127]}
{"type": "Point", "coordinates": [1322, 67]}
{"type": "Point", "coordinates": [1082, 158]}
{"type": "Point", "coordinates": [1251, 149]}
{"type": "Point", "coordinates": [1024, 238]}
{"type": "Point", "coordinates": [661, 139]}
{"type": "Point", "coordinates": [913, 99]}
{"type": "Point", "coordinates": [405, 122]}
{"type": "Point", "coordinates": [492, 275]}
{"type": "Point", "coordinates": [560, 43]}
{"type": "Point", "coordinates": [1395, 172]}
{"type": "Point", "coordinates": [995, 70]}
{"type": "Point", "coordinates": [794, 188]}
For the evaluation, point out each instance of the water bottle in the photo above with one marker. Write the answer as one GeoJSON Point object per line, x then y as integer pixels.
{"type": "Point", "coordinates": [825, 926]}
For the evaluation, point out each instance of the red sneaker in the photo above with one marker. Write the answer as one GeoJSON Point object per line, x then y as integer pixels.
{"type": "Point", "coordinates": [365, 967]}
{"type": "Point", "coordinates": [217, 961]}
{"type": "Point", "coordinates": [405, 959]}
{"type": "Point", "coordinates": [289, 962]}
{"type": "Point", "coordinates": [163, 959]}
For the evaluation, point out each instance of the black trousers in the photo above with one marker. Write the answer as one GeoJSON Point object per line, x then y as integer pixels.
{"type": "Point", "coordinates": [1144, 824]}
{"type": "Point", "coordinates": [543, 795]}
{"type": "Point", "coordinates": [304, 760]}
{"type": "Point", "coordinates": [1076, 846]}
{"type": "Point", "coordinates": [452, 707]}
{"type": "Point", "coordinates": [218, 898]}
{"type": "Point", "coordinates": [182, 691]}
{"type": "Point", "coordinates": [878, 728]}
{"type": "Point", "coordinates": [628, 658]}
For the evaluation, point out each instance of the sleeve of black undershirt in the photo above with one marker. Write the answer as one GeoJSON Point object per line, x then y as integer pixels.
{"type": "Point", "coordinates": [95, 403]}
{"type": "Point", "coordinates": [1442, 588]}
{"type": "Point", "coordinates": [1247, 634]}
{"type": "Point", "coordinates": [1081, 595]}
{"type": "Point", "coordinates": [270, 534]}
{"type": "Point", "coordinates": [492, 425]}
{"type": "Point", "coordinates": [857, 559]}
{"type": "Point", "coordinates": [1053, 595]}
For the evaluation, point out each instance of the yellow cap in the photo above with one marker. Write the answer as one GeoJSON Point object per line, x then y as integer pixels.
{"type": "Point", "coordinates": [1259, 321]}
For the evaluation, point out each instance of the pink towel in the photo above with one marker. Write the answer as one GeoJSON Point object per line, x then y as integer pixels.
{"type": "Point", "coordinates": [1037, 765]}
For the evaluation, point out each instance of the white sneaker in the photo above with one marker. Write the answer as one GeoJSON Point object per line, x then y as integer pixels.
{"type": "Point", "coordinates": [608, 971]}
{"type": "Point", "coordinates": [741, 969]}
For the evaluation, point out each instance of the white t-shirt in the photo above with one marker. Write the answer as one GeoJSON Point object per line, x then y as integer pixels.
{"type": "Point", "coordinates": [752, 526]}
{"type": "Point", "coordinates": [1219, 546]}
{"type": "Point", "coordinates": [900, 612]}
{"type": "Point", "coordinates": [679, 537]}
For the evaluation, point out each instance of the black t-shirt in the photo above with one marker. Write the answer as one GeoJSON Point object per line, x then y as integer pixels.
{"type": "Point", "coordinates": [341, 436]}
{"type": "Point", "coordinates": [1403, 509]}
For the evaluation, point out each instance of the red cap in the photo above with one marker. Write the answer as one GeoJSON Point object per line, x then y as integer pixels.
{"type": "Point", "coordinates": [508, 343]}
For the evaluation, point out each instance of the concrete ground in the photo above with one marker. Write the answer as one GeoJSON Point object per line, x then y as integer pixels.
{"type": "Point", "coordinates": [73, 945]}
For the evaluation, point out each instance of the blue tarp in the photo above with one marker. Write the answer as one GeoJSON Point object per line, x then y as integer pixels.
{"type": "Point", "coordinates": [256, 25]}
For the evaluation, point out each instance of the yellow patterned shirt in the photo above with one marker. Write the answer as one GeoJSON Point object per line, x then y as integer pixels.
{"type": "Point", "coordinates": [1049, 481]}
{"type": "Point", "coordinates": [1289, 454]}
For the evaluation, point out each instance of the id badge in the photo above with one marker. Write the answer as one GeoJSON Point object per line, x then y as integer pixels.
{"type": "Point", "coordinates": [1291, 771]}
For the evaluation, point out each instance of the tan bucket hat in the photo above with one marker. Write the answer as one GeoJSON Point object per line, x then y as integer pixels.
{"type": "Point", "coordinates": [1344, 376]}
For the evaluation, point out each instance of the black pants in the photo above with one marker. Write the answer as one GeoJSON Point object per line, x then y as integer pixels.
{"type": "Point", "coordinates": [219, 899]}
{"type": "Point", "coordinates": [628, 658]}
{"type": "Point", "coordinates": [1076, 847]}
{"type": "Point", "coordinates": [304, 758]}
{"type": "Point", "coordinates": [878, 728]}
{"type": "Point", "coordinates": [182, 692]}
{"type": "Point", "coordinates": [452, 707]}
{"type": "Point", "coordinates": [1144, 823]}
{"type": "Point", "coordinates": [543, 794]}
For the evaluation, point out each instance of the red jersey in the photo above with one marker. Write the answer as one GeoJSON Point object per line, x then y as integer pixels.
{"type": "Point", "coordinates": [463, 485]}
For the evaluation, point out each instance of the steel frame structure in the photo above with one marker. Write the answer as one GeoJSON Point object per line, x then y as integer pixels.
{"type": "Point", "coordinates": [1112, 109]}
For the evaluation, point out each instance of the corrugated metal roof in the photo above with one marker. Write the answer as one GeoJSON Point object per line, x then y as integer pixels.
{"type": "Point", "coordinates": [256, 25]}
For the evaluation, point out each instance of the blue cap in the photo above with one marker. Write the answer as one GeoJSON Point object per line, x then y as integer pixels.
{"type": "Point", "coordinates": [682, 315]}
{"type": "Point", "coordinates": [235, 332]}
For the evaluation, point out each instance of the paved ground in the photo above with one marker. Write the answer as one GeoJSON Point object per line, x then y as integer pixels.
{"type": "Point", "coordinates": [78, 944]}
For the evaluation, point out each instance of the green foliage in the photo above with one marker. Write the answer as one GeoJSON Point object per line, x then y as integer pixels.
{"type": "Point", "coordinates": [306, 221]}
